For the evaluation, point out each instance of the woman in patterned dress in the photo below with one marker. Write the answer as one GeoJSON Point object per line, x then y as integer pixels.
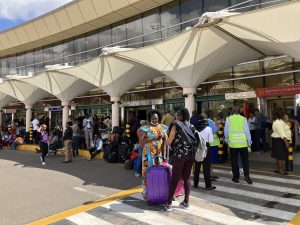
{"type": "Point", "coordinates": [155, 140]}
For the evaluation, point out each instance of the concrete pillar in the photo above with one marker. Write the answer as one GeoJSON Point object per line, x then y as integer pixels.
{"type": "Point", "coordinates": [115, 111]}
{"type": "Point", "coordinates": [189, 100]}
{"type": "Point", "coordinates": [122, 115]}
{"type": "Point", "coordinates": [28, 116]}
{"type": "Point", "coordinates": [0, 118]}
{"type": "Point", "coordinates": [12, 117]}
{"type": "Point", "coordinates": [153, 106]}
{"type": "Point", "coordinates": [65, 113]}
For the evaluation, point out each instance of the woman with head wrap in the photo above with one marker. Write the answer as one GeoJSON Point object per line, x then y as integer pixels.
{"type": "Point", "coordinates": [206, 132]}
{"type": "Point", "coordinates": [154, 137]}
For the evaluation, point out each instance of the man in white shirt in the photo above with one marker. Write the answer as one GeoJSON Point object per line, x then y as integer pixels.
{"type": "Point", "coordinates": [35, 125]}
{"type": "Point", "coordinates": [206, 132]}
{"type": "Point", "coordinates": [88, 130]}
{"type": "Point", "coordinates": [96, 146]}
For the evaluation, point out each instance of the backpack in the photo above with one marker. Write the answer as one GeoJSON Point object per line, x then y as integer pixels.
{"type": "Point", "coordinates": [112, 157]}
{"type": "Point", "coordinates": [188, 133]}
{"type": "Point", "coordinates": [201, 150]}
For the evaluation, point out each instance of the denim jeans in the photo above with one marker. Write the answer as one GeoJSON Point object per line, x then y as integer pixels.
{"type": "Point", "coordinates": [76, 144]}
{"type": "Point", "coordinates": [14, 145]}
{"type": "Point", "coordinates": [139, 162]}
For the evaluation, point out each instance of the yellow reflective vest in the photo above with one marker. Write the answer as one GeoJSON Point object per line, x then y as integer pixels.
{"type": "Point", "coordinates": [236, 132]}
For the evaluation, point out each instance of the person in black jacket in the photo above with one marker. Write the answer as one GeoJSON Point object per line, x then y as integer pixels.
{"type": "Point", "coordinates": [67, 138]}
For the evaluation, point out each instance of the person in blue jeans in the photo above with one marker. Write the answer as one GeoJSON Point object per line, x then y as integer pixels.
{"type": "Point", "coordinates": [142, 137]}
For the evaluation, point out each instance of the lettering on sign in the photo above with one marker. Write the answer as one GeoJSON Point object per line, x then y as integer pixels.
{"type": "Point", "coordinates": [278, 91]}
{"type": "Point", "coordinates": [240, 95]}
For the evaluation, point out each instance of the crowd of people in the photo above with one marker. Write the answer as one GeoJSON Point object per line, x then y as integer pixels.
{"type": "Point", "coordinates": [173, 141]}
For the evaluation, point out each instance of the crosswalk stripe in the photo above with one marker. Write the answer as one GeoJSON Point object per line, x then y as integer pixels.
{"type": "Point", "coordinates": [275, 213]}
{"type": "Point", "coordinates": [269, 178]}
{"type": "Point", "coordinates": [212, 215]}
{"type": "Point", "coordinates": [87, 219]}
{"type": "Point", "coordinates": [236, 191]}
{"type": "Point", "coordinates": [265, 186]}
{"type": "Point", "coordinates": [146, 216]}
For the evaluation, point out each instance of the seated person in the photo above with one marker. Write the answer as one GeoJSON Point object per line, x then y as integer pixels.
{"type": "Point", "coordinates": [55, 143]}
{"type": "Point", "coordinates": [96, 146]}
{"type": "Point", "coordinates": [7, 140]}
{"type": "Point", "coordinates": [19, 141]}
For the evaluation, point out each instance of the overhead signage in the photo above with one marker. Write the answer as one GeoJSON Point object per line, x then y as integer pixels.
{"type": "Point", "coordinates": [240, 95]}
{"type": "Point", "coordinates": [142, 103]}
{"type": "Point", "coordinates": [278, 91]}
{"type": "Point", "coordinates": [9, 110]}
{"type": "Point", "coordinates": [54, 108]}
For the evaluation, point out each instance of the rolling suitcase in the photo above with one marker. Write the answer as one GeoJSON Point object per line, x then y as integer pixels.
{"type": "Point", "coordinates": [157, 184]}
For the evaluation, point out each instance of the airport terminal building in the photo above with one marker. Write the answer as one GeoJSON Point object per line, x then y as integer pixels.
{"type": "Point", "coordinates": [75, 34]}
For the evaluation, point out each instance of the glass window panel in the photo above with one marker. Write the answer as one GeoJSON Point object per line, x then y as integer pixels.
{"type": "Point", "coordinates": [104, 37]}
{"type": "Point", "coordinates": [3, 64]}
{"type": "Point", "coordinates": [119, 34]}
{"type": "Point", "coordinates": [279, 80]}
{"type": "Point", "coordinates": [92, 45]}
{"type": "Point", "coordinates": [68, 51]}
{"type": "Point", "coordinates": [21, 64]}
{"type": "Point", "coordinates": [215, 5]}
{"type": "Point", "coordinates": [190, 9]}
{"type": "Point", "coordinates": [12, 64]}
{"type": "Point", "coordinates": [58, 54]}
{"type": "Point", "coordinates": [80, 47]}
{"type": "Point", "coordinates": [267, 3]}
{"type": "Point", "coordinates": [248, 84]}
{"type": "Point", "coordinates": [297, 74]}
{"type": "Point", "coordinates": [38, 60]}
{"type": "Point", "coordinates": [48, 55]}
{"type": "Point", "coordinates": [151, 23]}
{"type": "Point", "coordinates": [245, 7]}
{"type": "Point", "coordinates": [173, 93]}
{"type": "Point", "coordinates": [220, 88]}
{"type": "Point", "coordinates": [248, 69]}
{"type": "Point", "coordinates": [29, 62]}
{"type": "Point", "coordinates": [202, 90]}
{"type": "Point", "coordinates": [168, 82]}
{"type": "Point", "coordinates": [170, 15]}
{"type": "Point", "coordinates": [134, 29]}
{"type": "Point", "coordinates": [278, 64]}
{"type": "Point", "coordinates": [226, 74]}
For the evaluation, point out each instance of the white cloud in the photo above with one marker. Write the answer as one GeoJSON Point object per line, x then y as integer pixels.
{"type": "Point", "coordinates": [27, 9]}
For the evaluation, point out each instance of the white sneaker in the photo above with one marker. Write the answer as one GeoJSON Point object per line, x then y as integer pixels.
{"type": "Point", "coordinates": [89, 158]}
{"type": "Point", "coordinates": [136, 174]}
{"type": "Point", "coordinates": [241, 171]}
{"type": "Point", "coordinates": [43, 163]}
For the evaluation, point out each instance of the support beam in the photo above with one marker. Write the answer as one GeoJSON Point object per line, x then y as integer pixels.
{"type": "Point", "coordinates": [28, 116]}
{"type": "Point", "coordinates": [115, 111]}
{"type": "Point", "coordinates": [65, 113]}
{"type": "Point", "coordinates": [0, 119]}
{"type": "Point", "coordinates": [189, 100]}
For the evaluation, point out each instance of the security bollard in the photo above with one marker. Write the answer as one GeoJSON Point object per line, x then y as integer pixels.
{"type": "Point", "coordinates": [31, 134]}
{"type": "Point", "coordinates": [289, 162]}
{"type": "Point", "coordinates": [221, 145]}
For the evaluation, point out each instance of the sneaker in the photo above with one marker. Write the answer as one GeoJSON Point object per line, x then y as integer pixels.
{"type": "Point", "coordinates": [184, 205]}
{"type": "Point", "coordinates": [41, 159]}
{"type": "Point", "coordinates": [136, 174]}
{"type": "Point", "coordinates": [89, 158]}
{"type": "Point", "coordinates": [168, 208]}
{"type": "Point", "coordinates": [241, 171]}
{"type": "Point", "coordinates": [248, 180]}
{"type": "Point", "coordinates": [235, 180]}
{"type": "Point", "coordinates": [43, 163]}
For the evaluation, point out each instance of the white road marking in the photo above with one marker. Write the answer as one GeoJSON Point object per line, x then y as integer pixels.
{"type": "Point", "coordinates": [87, 219]}
{"type": "Point", "coordinates": [145, 216]}
{"type": "Point", "coordinates": [275, 213]}
{"type": "Point", "coordinates": [88, 192]}
{"type": "Point", "coordinates": [269, 178]}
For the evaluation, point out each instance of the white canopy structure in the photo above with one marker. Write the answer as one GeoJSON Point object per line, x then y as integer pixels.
{"type": "Point", "coordinates": [26, 93]}
{"type": "Point", "coordinates": [193, 56]}
{"type": "Point", "coordinates": [274, 30]}
{"type": "Point", "coordinates": [114, 75]}
{"type": "Point", "coordinates": [4, 100]}
{"type": "Point", "coordinates": [63, 86]}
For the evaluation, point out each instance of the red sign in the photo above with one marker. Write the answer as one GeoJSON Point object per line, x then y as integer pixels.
{"type": "Point", "coordinates": [278, 91]}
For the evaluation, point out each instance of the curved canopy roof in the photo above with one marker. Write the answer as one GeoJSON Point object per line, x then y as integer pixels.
{"type": "Point", "coordinates": [112, 74]}
{"type": "Point", "coordinates": [274, 30]}
{"type": "Point", "coordinates": [27, 93]}
{"type": "Point", "coordinates": [63, 86]}
{"type": "Point", "coordinates": [5, 100]}
{"type": "Point", "coordinates": [193, 56]}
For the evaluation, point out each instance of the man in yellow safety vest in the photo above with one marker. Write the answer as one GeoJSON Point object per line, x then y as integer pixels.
{"type": "Point", "coordinates": [237, 135]}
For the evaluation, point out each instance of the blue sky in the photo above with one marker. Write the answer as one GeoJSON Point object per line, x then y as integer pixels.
{"type": "Point", "coordinates": [15, 12]}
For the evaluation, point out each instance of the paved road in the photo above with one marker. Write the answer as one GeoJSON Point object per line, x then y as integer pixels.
{"type": "Point", "coordinates": [270, 200]}
{"type": "Point", "coordinates": [31, 191]}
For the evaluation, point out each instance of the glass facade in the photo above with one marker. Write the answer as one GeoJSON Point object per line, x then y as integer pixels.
{"type": "Point", "coordinates": [79, 49]}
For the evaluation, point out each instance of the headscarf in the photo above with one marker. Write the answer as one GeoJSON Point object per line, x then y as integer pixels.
{"type": "Point", "coordinates": [202, 122]}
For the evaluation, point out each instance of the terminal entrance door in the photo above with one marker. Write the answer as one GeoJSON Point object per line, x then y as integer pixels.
{"type": "Point", "coordinates": [287, 105]}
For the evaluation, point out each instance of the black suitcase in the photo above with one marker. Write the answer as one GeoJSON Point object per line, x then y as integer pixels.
{"type": "Point", "coordinates": [122, 152]}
